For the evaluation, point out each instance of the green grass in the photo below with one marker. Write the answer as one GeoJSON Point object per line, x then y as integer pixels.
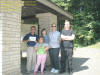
{"type": "Point", "coordinates": [96, 45]}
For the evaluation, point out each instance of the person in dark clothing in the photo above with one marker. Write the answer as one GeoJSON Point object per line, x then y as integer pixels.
{"type": "Point", "coordinates": [67, 36]}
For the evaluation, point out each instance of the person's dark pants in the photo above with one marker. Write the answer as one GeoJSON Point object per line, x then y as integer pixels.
{"type": "Point", "coordinates": [54, 57]}
{"type": "Point", "coordinates": [66, 59]}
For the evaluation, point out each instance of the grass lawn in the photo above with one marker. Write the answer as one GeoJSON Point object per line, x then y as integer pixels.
{"type": "Point", "coordinates": [97, 45]}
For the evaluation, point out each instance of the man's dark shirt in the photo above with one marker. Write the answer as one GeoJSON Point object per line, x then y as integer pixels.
{"type": "Point", "coordinates": [67, 43]}
{"type": "Point", "coordinates": [30, 43]}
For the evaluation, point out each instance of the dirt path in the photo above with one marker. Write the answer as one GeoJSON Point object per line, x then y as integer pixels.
{"type": "Point", "coordinates": [86, 61]}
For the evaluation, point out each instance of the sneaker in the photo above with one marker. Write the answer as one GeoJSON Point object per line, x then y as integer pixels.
{"type": "Point", "coordinates": [52, 70]}
{"type": "Point", "coordinates": [70, 72]}
{"type": "Point", "coordinates": [56, 71]}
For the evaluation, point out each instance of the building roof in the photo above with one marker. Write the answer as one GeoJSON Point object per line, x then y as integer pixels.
{"type": "Point", "coordinates": [43, 6]}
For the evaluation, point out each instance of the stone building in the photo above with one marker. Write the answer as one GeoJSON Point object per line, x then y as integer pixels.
{"type": "Point", "coordinates": [16, 17]}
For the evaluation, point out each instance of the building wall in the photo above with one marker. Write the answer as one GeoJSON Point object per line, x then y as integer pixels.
{"type": "Point", "coordinates": [1, 43]}
{"type": "Point", "coordinates": [11, 44]}
{"type": "Point", "coordinates": [46, 20]}
{"type": "Point", "coordinates": [10, 29]}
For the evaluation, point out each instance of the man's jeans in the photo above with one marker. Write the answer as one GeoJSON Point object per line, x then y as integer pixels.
{"type": "Point", "coordinates": [66, 58]}
{"type": "Point", "coordinates": [54, 57]}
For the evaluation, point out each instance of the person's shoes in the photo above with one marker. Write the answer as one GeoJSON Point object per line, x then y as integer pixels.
{"type": "Point", "coordinates": [62, 71]}
{"type": "Point", "coordinates": [52, 70]}
{"type": "Point", "coordinates": [44, 69]}
{"type": "Point", "coordinates": [42, 73]}
{"type": "Point", "coordinates": [56, 71]}
{"type": "Point", "coordinates": [35, 73]}
{"type": "Point", "coordinates": [71, 73]}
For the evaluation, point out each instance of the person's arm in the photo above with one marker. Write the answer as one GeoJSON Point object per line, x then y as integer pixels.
{"type": "Point", "coordinates": [36, 39]}
{"type": "Point", "coordinates": [72, 37]}
{"type": "Point", "coordinates": [37, 47]}
{"type": "Point", "coordinates": [59, 37]}
{"type": "Point", "coordinates": [46, 47]}
{"type": "Point", "coordinates": [26, 38]}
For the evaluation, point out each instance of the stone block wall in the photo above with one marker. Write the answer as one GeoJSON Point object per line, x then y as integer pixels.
{"type": "Point", "coordinates": [46, 20]}
{"type": "Point", "coordinates": [10, 29]}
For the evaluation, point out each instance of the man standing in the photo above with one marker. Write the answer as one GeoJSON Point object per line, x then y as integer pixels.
{"type": "Point", "coordinates": [67, 37]}
{"type": "Point", "coordinates": [31, 39]}
{"type": "Point", "coordinates": [54, 39]}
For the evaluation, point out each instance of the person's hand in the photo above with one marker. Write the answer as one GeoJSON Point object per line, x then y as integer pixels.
{"type": "Point", "coordinates": [35, 41]}
{"type": "Point", "coordinates": [46, 48]}
{"type": "Point", "coordinates": [36, 49]}
{"type": "Point", "coordinates": [45, 51]}
{"type": "Point", "coordinates": [62, 38]}
{"type": "Point", "coordinates": [27, 40]}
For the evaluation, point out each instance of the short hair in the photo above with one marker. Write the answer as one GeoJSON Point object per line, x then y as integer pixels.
{"type": "Point", "coordinates": [53, 24]}
{"type": "Point", "coordinates": [66, 21]}
{"type": "Point", "coordinates": [42, 38]}
{"type": "Point", "coordinates": [33, 27]}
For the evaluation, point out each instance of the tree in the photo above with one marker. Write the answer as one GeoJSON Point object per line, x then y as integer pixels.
{"type": "Point", "coordinates": [86, 20]}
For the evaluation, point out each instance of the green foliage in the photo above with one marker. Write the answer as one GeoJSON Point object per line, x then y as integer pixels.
{"type": "Point", "coordinates": [61, 3]}
{"type": "Point", "coordinates": [86, 20]}
{"type": "Point", "coordinates": [96, 45]}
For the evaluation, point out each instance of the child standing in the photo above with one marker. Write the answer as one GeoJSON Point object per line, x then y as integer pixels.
{"type": "Point", "coordinates": [41, 49]}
